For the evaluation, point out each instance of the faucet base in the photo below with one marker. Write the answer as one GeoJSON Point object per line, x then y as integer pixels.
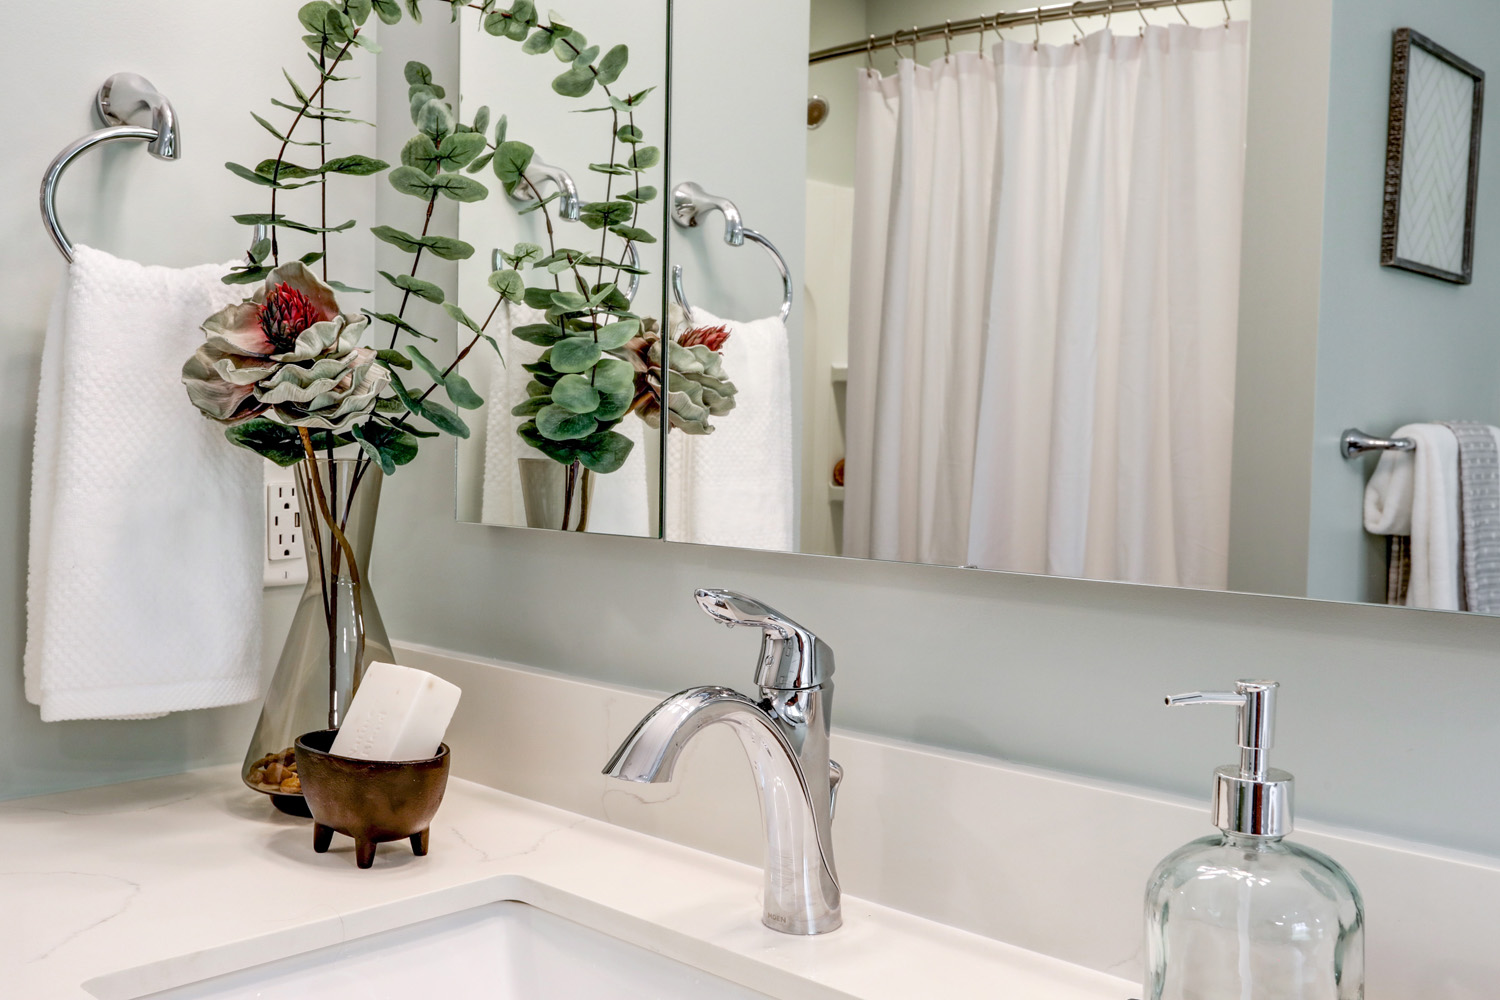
{"type": "Point", "coordinates": [803, 928]}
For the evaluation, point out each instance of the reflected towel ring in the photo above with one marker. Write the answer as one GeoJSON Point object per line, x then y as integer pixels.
{"type": "Point", "coordinates": [123, 104]}
{"type": "Point", "coordinates": [689, 201]}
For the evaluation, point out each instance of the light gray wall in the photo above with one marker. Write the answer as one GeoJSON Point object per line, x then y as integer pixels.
{"type": "Point", "coordinates": [1280, 272]}
{"type": "Point", "coordinates": [1393, 347]}
{"type": "Point", "coordinates": [215, 62]}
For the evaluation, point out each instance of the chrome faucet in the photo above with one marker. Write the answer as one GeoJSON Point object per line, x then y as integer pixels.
{"type": "Point", "coordinates": [785, 735]}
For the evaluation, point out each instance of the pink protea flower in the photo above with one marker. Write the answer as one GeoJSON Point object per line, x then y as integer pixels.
{"type": "Point", "coordinates": [286, 352]}
{"type": "Point", "coordinates": [711, 337]}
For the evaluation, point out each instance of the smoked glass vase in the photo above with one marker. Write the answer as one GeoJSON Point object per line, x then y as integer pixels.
{"type": "Point", "coordinates": [337, 616]}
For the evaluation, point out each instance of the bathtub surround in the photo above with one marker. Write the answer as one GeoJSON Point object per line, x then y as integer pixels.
{"type": "Point", "coordinates": [137, 594]}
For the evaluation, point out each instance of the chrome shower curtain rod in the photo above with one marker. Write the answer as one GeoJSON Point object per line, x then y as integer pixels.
{"type": "Point", "coordinates": [995, 22]}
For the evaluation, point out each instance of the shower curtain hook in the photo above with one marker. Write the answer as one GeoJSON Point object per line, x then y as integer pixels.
{"type": "Point", "coordinates": [916, 36]}
{"type": "Point", "coordinates": [1181, 14]}
{"type": "Point", "coordinates": [870, 54]}
{"type": "Point", "coordinates": [1074, 18]}
{"type": "Point", "coordinates": [1141, 13]}
{"type": "Point", "coordinates": [895, 46]}
{"type": "Point", "coordinates": [948, 39]}
{"type": "Point", "coordinates": [1036, 43]}
{"type": "Point", "coordinates": [982, 23]}
{"type": "Point", "coordinates": [1227, 16]}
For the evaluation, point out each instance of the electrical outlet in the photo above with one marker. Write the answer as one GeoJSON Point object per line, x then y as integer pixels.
{"type": "Point", "coordinates": [286, 564]}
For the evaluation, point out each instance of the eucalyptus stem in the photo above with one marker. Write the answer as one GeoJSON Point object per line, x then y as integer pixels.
{"type": "Point", "coordinates": [355, 583]}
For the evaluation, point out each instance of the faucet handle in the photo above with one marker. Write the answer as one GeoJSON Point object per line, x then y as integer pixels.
{"type": "Point", "coordinates": [791, 657]}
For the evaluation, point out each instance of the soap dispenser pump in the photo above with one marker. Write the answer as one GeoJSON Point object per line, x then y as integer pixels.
{"type": "Point", "coordinates": [1245, 914]}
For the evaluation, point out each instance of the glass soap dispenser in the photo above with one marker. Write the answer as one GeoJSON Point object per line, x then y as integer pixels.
{"type": "Point", "coordinates": [1244, 914]}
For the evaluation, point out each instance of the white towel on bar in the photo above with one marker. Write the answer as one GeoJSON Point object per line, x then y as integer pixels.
{"type": "Point", "coordinates": [734, 486]}
{"type": "Point", "coordinates": [147, 525]}
{"type": "Point", "coordinates": [1416, 493]}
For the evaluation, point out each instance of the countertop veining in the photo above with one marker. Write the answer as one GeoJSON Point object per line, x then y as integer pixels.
{"type": "Point", "coordinates": [120, 891]}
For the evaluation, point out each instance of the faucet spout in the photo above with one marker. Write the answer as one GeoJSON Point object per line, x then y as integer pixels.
{"type": "Point", "coordinates": [793, 776]}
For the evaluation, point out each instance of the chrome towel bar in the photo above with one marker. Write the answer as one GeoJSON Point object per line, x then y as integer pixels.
{"type": "Point", "coordinates": [125, 104]}
{"type": "Point", "coordinates": [1356, 442]}
{"type": "Point", "coordinates": [689, 201]}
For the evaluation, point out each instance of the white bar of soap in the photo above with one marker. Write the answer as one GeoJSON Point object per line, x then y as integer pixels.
{"type": "Point", "coordinates": [397, 714]}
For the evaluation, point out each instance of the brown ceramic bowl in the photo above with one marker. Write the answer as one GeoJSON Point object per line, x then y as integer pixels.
{"type": "Point", "coordinates": [373, 801]}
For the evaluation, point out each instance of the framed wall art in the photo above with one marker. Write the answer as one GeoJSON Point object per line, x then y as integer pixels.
{"type": "Point", "coordinates": [1432, 160]}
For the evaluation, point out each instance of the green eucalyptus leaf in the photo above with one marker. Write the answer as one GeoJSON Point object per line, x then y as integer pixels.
{"type": "Point", "coordinates": [569, 301]}
{"type": "Point", "coordinates": [453, 309]}
{"type": "Point", "coordinates": [613, 64]}
{"type": "Point", "coordinates": [575, 354]}
{"type": "Point", "coordinates": [575, 394]}
{"type": "Point", "coordinates": [460, 149]}
{"type": "Point", "coordinates": [387, 10]}
{"type": "Point", "coordinates": [557, 423]}
{"type": "Point", "coordinates": [538, 297]}
{"type": "Point", "coordinates": [416, 286]}
{"type": "Point", "coordinates": [445, 247]}
{"type": "Point", "coordinates": [617, 334]}
{"type": "Point", "coordinates": [245, 275]}
{"type": "Point", "coordinates": [461, 393]}
{"type": "Point", "coordinates": [284, 171]}
{"type": "Point", "coordinates": [260, 250]}
{"type": "Point", "coordinates": [482, 120]}
{"type": "Point", "coordinates": [396, 358]}
{"type": "Point", "coordinates": [436, 119]}
{"type": "Point", "coordinates": [567, 43]}
{"type": "Point", "coordinates": [460, 188]}
{"type": "Point", "coordinates": [509, 284]}
{"type": "Point", "coordinates": [645, 158]}
{"type": "Point", "coordinates": [640, 195]}
{"type": "Point", "coordinates": [480, 162]}
{"type": "Point", "coordinates": [539, 42]}
{"type": "Point", "coordinates": [632, 233]}
{"type": "Point", "coordinates": [358, 10]}
{"type": "Point", "coordinates": [575, 82]}
{"type": "Point", "coordinates": [389, 446]}
{"type": "Point", "coordinates": [268, 439]}
{"type": "Point", "coordinates": [413, 181]}
{"type": "Point", "coordinates": [444, 419]}
{"type": "Point", "coordinates": [631, 134]}
{"type": "Point", "coordinates": [415, 12]}
{"type": "Point", "coordinates": [614, 375]}
{"type": "Point", "coordinates": [397, 322]}
{"type": "Point", "coordinates": [417, 72]}
{"type": "Point", "coordinates": [511, 161]}
{"type": "Point", "coordinates": [311, 258]}
{"type": "Point", "coordinates": [421, 152]}
{"type": "Point", "coordinates": [531, 407]}
{"type": "Point", "coordinates": [541, 334]}
{"type": "Point", "coordinates": [251, 175]}
{"type": "Point", "coordinates": [604, 452]}
{"type": "Point", "coordinates": [584, 60]}
{"type": "Point", "coordinates": [404, 394]}
{"type": "Point", "coordinates": [358, 166]}
{"type": "Point", "coordinates": [426, 364]}
{"type": "Point", "coordinates": [339, 286]}
{"type": "Point", "coordinates": [610, 168]}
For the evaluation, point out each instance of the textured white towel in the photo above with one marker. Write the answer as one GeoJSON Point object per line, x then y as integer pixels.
{"type": "Point", "coordinates": [620, 500]}
{"type": "Point", "coordinates": [1416, 493]}
{"type": "Point", "coordinates": [734, 486]}
{"type": "Point", "coordinates": [147, 526]}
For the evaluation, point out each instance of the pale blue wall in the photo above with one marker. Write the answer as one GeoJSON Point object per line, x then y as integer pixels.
{"type": "Point", "coordinates": [1393, 347]}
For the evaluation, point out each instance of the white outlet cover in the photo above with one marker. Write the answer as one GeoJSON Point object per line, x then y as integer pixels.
{"type": "Point", "coordinates": [285, 562]}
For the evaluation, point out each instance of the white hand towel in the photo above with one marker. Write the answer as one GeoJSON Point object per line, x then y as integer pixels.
{"type": "Point", "coordinates": [620, 499]}
{"type": "Point", "coordinates": [1416, 493]}
{"type": "Point", "coordinates": [734, 486]}
{"type": "Point", "coordinates": [147, 526]}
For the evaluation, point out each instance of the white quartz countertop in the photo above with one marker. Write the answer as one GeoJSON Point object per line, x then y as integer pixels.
{"type": "Point", "coordinates": [122, 891]}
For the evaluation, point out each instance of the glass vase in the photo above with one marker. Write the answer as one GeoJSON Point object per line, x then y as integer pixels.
{"type": "Point", "coordinates": [336, 633]}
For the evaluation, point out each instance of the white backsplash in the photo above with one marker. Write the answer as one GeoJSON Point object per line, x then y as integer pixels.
{"type": "Point", "coordinates": [1042, 860]}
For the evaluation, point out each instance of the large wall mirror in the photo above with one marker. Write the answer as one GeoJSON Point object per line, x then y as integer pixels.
{"type": "Point", "coordinates": [1091, 293]}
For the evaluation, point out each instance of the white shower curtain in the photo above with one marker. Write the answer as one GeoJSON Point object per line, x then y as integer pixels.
{"type": "Point", "coordinates": [1095, 396]}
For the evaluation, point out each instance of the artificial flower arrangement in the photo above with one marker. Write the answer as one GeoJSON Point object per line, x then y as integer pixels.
{"type": "Point", "coordinates": [294, 373]}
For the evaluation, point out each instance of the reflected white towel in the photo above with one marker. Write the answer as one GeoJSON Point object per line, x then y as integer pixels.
{"type": "Point", "coordinates": [147, 526]}
{"type": "Point", "coordinates": [734, 486]}
{"type": "Point", "coordinates": [1416, 493]}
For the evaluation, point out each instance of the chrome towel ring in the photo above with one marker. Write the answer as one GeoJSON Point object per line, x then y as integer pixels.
{"type": "Point", "coordinates": [132, 109]}
{"type": "Point", "coordinates": [689, 201]}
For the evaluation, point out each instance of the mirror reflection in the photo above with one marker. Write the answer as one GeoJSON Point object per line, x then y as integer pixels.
{"type": "Point", "coordinates": [1094, 290]}
{"type": "Point", "coordinates": [567, 439]}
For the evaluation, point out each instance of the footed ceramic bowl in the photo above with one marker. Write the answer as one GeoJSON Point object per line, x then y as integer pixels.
{"type": "Point", "coordinates": [373, 801]}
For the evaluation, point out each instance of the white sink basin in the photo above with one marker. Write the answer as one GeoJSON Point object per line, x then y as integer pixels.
{"type": "Point", "coordinates": [500, 951]}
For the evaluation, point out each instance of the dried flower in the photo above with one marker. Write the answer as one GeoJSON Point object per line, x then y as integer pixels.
{"type": "Point", "coordinates": [288, 353]}
{"type": "Point", "coordinates": [696, 385]}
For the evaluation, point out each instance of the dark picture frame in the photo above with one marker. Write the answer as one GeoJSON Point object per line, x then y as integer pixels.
{"type": "Point", "coordinates": [1406, 120]}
